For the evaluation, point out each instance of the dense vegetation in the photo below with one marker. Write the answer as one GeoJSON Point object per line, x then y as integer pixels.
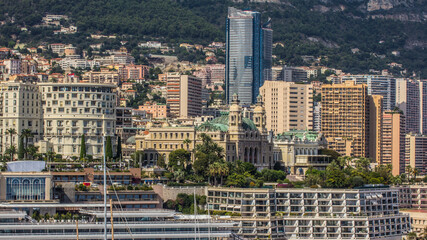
{"type": "Point", "coordinates": [302, 30]}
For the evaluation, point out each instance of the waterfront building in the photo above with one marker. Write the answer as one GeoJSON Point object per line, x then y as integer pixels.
{"type": "Point", "coordinates": [138, 225]}
{"type": "Point", "coordinates": [288, 106]}
{"type": "Point", "coordinates": [310, 213]}
{"type": "Point", "coordinates": [248, 54]}
{"type": "Point", "coordinates": [413, 196]}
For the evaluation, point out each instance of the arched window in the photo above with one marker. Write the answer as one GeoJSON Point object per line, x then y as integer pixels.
{"type": "Point", "coordinates": [36, 190]}
{"type": "Point", "coordinates": [26, 190]}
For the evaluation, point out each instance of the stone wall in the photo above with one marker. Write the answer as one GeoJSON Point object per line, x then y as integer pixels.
{"type": "Point", "coordinates": [170, 193]}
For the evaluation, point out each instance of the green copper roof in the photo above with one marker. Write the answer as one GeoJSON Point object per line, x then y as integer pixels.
{"type": "Point", "coordinates": [310, 135]}
{"type": "Point", "coordinates": [221, 124]}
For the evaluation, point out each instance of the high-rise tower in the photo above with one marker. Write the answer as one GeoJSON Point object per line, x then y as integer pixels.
{"type": "Point", "coordinates": [249, 53]}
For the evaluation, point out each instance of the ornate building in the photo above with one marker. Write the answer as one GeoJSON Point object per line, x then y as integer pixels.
{"type": "Point", "coordinates": [240, 137]}
{"type": "Point", "coordinates": [297, 150]}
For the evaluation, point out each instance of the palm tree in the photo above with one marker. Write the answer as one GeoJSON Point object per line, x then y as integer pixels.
{"type": "Point", "coordinates": [187, 142]}
{"type": "Point", "coordinates": [224, 171]}
{"type": "Point", "coordinates": [415, 172]}
{"type": "Point", "coordinates": [412, 236]}
{"type": "Point", "coordinates": [11, 132]}
{"type": "Point", "coordinates": [26, 133]}
{"type": "Point", "coordinates": [214, 171]}
{"type": "Point", "coordinates": [408, 169]}
{"type": "Point", "coordinates": [179, 175]}
{"type": "Point", "coordinates": [11, 151]}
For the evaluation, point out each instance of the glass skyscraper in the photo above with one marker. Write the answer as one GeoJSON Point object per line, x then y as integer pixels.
{"type": "Point", "coordinates": [249, 51]}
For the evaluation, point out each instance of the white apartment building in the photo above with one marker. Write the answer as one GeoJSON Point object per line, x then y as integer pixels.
{"type": "Point", "coordinates": [310, 213]}
{"type": "Point", "coordinates": [413, 196]}
{"type": "Point", "coordinates": [58, 114]}
{"type": "Point", "coordinates": [20, 105]}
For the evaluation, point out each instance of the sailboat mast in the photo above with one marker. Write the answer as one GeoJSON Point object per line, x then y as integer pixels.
{"type": "Point", "coordinates": [195, 215]}
{"type": "Point", "coordinates": [105, 192]}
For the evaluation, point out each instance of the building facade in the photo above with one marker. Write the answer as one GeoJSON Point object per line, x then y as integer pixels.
{"type": "Point", "coordinates": [377, 85]}
{"type": "Point", "coordinates": [248, 54]}
{"type": "Point", "coordinates": [312, 213]}
{"type": "Point", "coordinates": [21, 108]}
{"type": "Point", "coordinates": [412, 100]}
{"type": "Point", "coordinates": [299, 150]}
{"type": "Point", "coordinates": [415, 152]}
{"type": "Point", "coordinates": [393, 141]}
{"type": "Point", "coordinates": [345, 118]}
{"type": "Point", "coordinates": [288, 106]}
{"type": "Point", "coordinates": [240, 137]}
{"type": "Point", "coordinates": [184, 95]}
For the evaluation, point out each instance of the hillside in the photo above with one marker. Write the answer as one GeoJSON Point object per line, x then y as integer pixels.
{"type": "Point", "coordinates": [328, 28]}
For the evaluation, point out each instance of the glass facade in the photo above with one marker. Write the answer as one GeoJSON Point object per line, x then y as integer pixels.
{"type": "Point", "coordinates": [249, 51]}
{"type": "Point", "coordinates": [25, 188]}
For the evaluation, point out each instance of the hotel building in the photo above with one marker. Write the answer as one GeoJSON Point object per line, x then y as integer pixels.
{"type": "Point", "coordinates": [58, 114]}
{"type": "Point", "coordinates": [312, 213]}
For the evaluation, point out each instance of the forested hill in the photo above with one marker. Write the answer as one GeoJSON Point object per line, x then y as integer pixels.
{"type": "Point", "coordinates": [328, 28]}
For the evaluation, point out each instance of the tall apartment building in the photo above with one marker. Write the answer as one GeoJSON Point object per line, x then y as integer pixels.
{"type": "Point", "coordinates": [416, 152]}
{"type": "Point", "coordinates": [375, 113]}
{"type": "Point", "coordinates": [288, 106]}
{"type": "Point", "coordinates": [345, 118]}
{"type": "Point", "coordinates": [411, 98]}
{"type": "Point", "coordinates": [184, 95]}
{"type": "Point", "coordinates": [248, 54]}
{"type": "Point", "coordinates": [393, 141]}
{"type": "Point", "coordinates": [317, 116]}
{"type": "Point", "coordinates": [378, 85]}
{"type": "Point", "coordinates": [290, 213]}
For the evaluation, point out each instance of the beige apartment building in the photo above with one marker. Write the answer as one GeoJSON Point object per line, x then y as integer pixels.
{"type": "Point", "coordinates": [375, 113]}
{"type": "Point", "coordinates": [288, 106]}
{"type": "Point", "coordinates": [345, 118]}
{"type": "Point", "coordinates": [393, 141]}
{"type": "Point", "coordinates": [184, 95]}
{"type": "Point", "coordinates": [415, 152]}
{"type": "Point", "coordinates": [351, 120]}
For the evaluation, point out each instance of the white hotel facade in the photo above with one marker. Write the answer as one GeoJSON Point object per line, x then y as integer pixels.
{"type": "Point", "coordinates": [58, 114]}
{"type": "Point", "coordinates": [309, 213]}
